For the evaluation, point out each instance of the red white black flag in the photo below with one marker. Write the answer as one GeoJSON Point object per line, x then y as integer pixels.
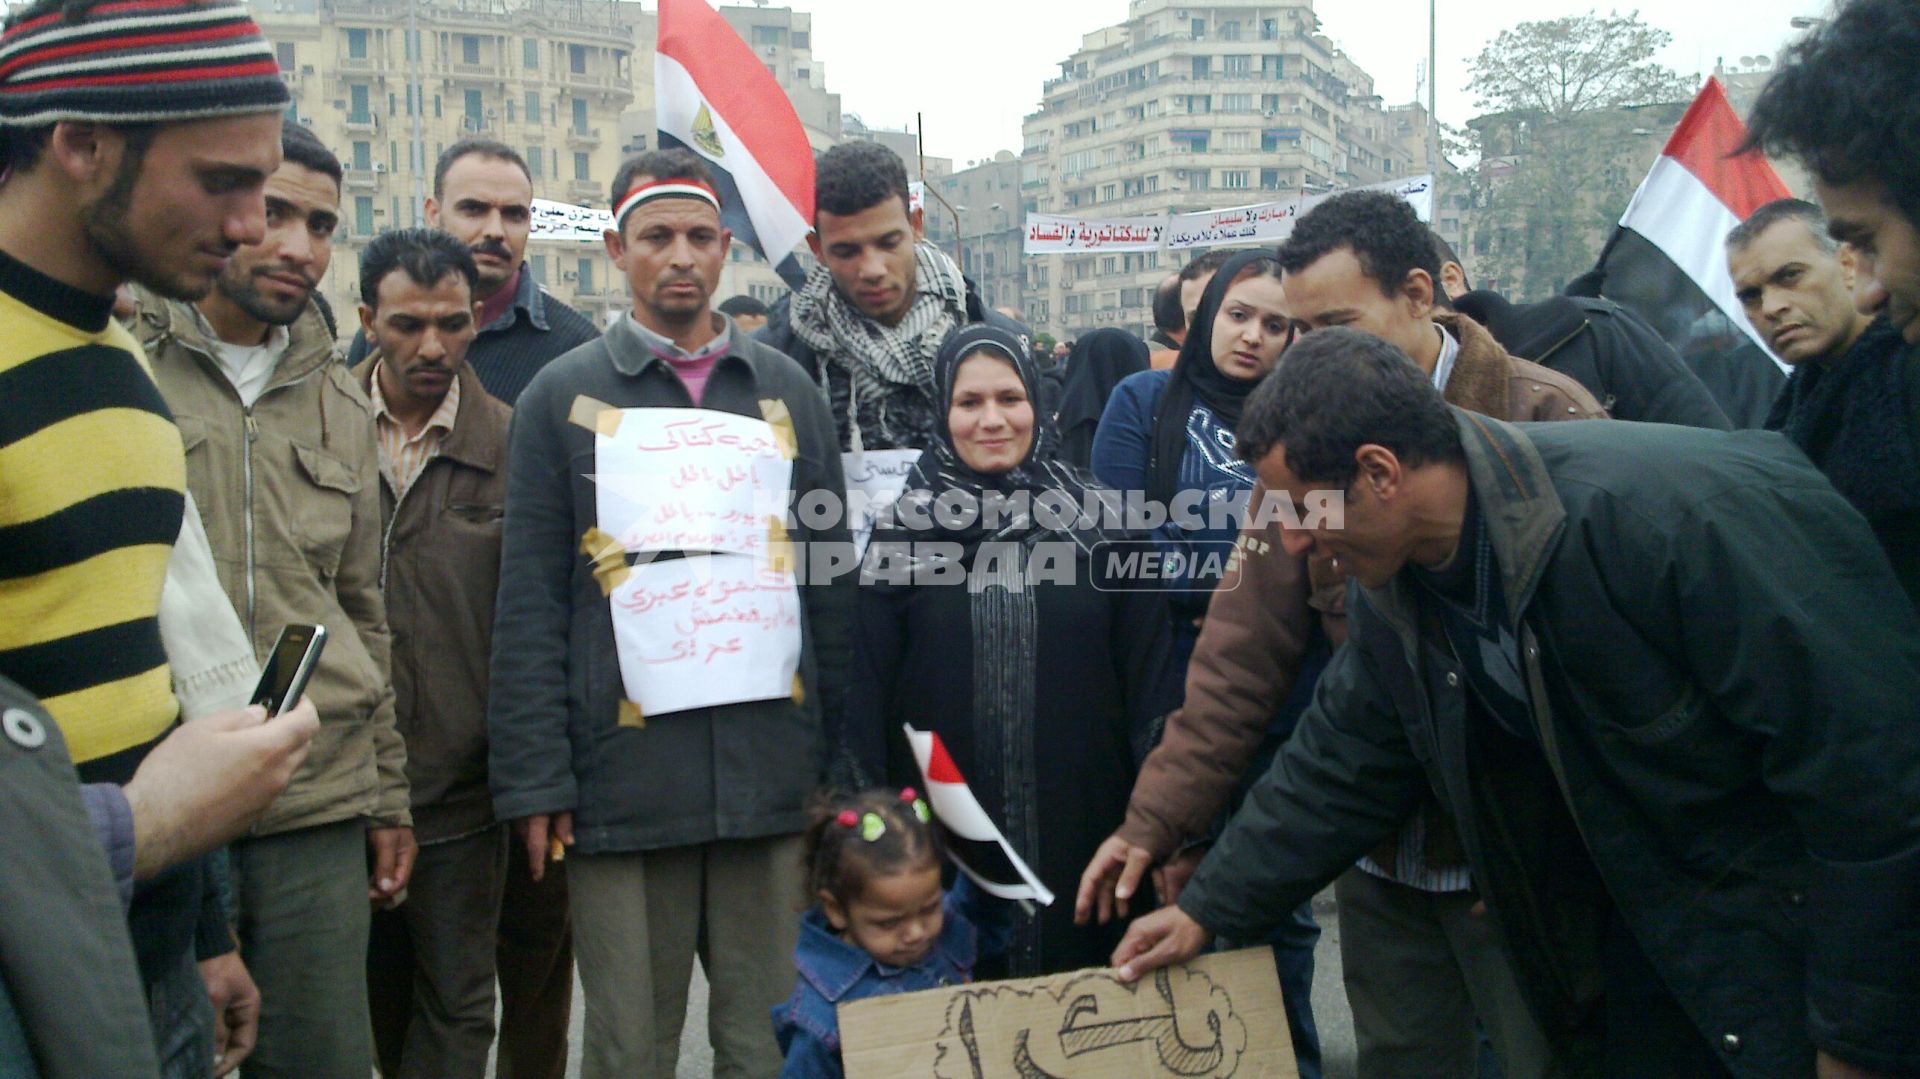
{"type": "Point", "coordinates": [714, 97]}
{"type": "Point", "coordinates": [973, 841]}
{"type": "Point", "coordinates": [1668, 262]}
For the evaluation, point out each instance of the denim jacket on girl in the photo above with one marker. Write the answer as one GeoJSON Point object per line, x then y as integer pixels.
{"type": "Point", "coordinates": [833, 972]}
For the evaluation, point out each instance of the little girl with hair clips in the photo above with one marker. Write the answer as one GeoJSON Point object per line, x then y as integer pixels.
{"type": "Point", "coordinates": [883, 925]}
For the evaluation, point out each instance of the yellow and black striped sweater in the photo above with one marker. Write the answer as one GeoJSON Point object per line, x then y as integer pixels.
{"type": "Point", "coordinates": [92, 488]}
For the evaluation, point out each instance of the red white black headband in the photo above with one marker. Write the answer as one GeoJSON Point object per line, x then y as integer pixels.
{"type": "Point", "coordinates": [663, 189]}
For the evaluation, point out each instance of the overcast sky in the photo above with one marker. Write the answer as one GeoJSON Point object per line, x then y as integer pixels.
{"type": "Point", "coordinates": [975, 67]}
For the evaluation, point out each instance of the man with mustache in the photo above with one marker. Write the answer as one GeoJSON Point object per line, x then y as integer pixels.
{"type": "Point", "coordinates": [1796, 284]}
{"type": "Point", "coordinates": [443, 446]}
{"type": "Point", "coordinates": [281, 461]}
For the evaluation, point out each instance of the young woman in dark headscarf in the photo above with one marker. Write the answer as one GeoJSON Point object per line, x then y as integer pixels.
{"type": "Point", "coordinates": [1045, 689]}
{"type": "Point", "coordinates": [1100, 361]}
{"type": "Point", "coordinates": [1170, 433]}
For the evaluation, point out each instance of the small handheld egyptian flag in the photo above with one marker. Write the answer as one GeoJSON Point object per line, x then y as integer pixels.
{"type": "Point", "coordinates": [973, 841]}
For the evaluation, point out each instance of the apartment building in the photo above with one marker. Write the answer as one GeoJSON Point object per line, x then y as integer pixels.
{"type": "Point", "coordinates": [389, 84]}
{"type": "Point", "coordinates": [979, 219]}
{"type": "Point", "coordinates": [1186, 107]}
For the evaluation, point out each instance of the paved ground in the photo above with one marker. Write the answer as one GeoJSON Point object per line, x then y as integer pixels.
{"type": "Point", "coordinates": [1329, 1009]}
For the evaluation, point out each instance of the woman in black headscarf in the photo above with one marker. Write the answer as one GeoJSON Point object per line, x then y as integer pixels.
{"type": "Point", "coordinates": [986, 628]}
{"type": "Point", "coordinates": [1100, 361]}
{"type": "Point", "coordinates": [1169, 433]}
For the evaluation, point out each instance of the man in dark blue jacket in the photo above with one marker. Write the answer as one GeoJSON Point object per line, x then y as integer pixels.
{"type": "Point", "coordinates": [1663, 680]}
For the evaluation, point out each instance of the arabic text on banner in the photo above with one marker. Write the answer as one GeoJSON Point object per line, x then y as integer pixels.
{"type": "Point", "coordinates": [562, 221]}
{"type": "Point", "coordinates": [706, 631]}
{"type": "Point", "coordinates": [689, 479]}
{"type": "Point", "coordinates": [1263, 224]}
{"type": "Point", "coordinates": [875, 479]}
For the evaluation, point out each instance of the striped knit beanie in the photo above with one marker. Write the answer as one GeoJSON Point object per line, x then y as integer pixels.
{"type": "Point", "coordinates": [137, 61]}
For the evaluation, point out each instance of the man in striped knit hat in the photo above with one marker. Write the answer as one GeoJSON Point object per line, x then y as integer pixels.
{"type": "Point", "coordinates": [137, 137]}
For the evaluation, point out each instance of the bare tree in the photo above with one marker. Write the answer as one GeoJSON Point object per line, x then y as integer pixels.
{"type": "Point", "coordinates": [1575, 111]}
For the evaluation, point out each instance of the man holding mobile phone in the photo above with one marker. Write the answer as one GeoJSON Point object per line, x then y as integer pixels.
{"type": "Point", "coordinates": [281, 461]}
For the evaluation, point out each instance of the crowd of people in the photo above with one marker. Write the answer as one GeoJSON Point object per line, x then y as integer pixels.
{"type": "Point", "coordinates": [1596, 714]}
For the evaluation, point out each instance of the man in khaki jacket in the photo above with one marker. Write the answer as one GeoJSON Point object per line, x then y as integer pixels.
{"type": "Point", "coordinates": [443, 447]}
{"type": "Point", "coordinates": [1420, 962]}
{"type": "Point", "coordinates": [281, 460]}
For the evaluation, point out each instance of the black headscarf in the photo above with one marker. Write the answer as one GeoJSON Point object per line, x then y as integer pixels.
{"type": "Point", "coordinates": [1099, 361]}
{"type": "Point", "coordinates": [1196, 379]}
{"type": "Point", "coordinates": [940, 470]}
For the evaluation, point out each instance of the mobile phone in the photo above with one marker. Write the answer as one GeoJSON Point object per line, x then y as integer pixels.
{"type": "Point", "coordinates": [283, 679]}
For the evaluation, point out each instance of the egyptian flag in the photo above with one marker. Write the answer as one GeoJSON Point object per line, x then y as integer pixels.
{"type": "Point", "coordinates": [973, 841]}
{"type": "Point", "coordinates": [1668, 259]}
{"type": "Point", "coordinates": [713, 96]}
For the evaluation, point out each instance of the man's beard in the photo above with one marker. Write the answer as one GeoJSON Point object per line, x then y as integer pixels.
{"type": "Point", "coordinates": [236, 284]}
{"type": "Point", "coordinates": [104, 222]}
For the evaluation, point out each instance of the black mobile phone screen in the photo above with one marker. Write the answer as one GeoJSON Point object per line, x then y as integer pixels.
{"type": "Point", "coordinates": [276, 675]}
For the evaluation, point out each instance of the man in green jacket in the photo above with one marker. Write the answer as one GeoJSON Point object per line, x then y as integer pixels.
{"type": "Point", "coordinates": [1662, 679]}
{"type": "Point", "coordinates": [281, 460]}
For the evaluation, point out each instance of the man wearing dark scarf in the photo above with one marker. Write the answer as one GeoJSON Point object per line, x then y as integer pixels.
{"type": "Point", "coordinates": [1100, 361]}
{"type": "Point", "coordinates": [1850, 403]}
{"type": "Point", "coordinates": [1046, 692]}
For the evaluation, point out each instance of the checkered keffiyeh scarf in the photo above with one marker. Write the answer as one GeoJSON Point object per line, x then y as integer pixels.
{"type": "Point", "coordinates": [889, 369]}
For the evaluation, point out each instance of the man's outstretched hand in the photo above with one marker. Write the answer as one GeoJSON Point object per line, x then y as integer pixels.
{"type": "Point", "coordinates": [1161, 939]}
{"type": "Point", "coordinates": [1110, 881]}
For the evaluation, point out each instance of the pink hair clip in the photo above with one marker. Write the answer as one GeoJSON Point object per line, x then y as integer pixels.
{"type": "Point", "coordinates": [909, 796]}
{"type": "Point", "coordinates": [847, 819]}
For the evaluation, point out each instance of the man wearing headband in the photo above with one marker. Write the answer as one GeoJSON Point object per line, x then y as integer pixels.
{"type": "Point", "coordinates": [877, 307]}
{"type": "Point", "coordinates": [137, 138]}
{"type": "Point", "coordinates": [282, 463]}
{"type": "Point", "coordinates": [687, 819]}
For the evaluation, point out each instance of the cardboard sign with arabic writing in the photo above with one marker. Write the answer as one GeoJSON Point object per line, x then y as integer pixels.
{"type": "Point", "coordinates": [1219, 1017]}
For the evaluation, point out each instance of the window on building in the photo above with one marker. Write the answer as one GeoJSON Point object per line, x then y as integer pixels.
{"type": "Point", "coordinates": [1269, 29]}
{"type": "Point", "coordinates": [1109, 192]}
{"type": "Point", "coordinates": [1236, 140]}
{"type": "Point", "coordinates": [582, 168]}
{"type": "Point", "coordinates": [1235, 179]}
{"type": "Point", "coordinates": [283, 52]}
{"type": "Point", "coordinates": [1199, 27]}
{"type": "Point", "coordinates": [363, 215]}
{"type": "Point", "coordinates": [1273, 67]}
{"type": "Point", "coordinates": [362, 155]}
{"type": "Point", "coordinates": [1269, 179]}
{"type": "Point", "coordinates": [1081, 268]}
{"type": "Point", "coordinates": [1202, 68]}
{"type": "Point", "coordinates": [1274, 138]}
{"type": "Point", "coordinates": [1230, 30]}
{"type": "Point", "coordinates": [769, 35]}
{"type": "Point", "coordinates": [475, 111]}
{"type": "Point", "coordinates": [356, 44]}
{"type": "Point", "coordinates": [469, 49]}
{"type": "Point", "coordinates": [1236, 102]}
{"type": "Point", "coordinates": [539, 270]}
{"type": "Point", "coordinates": [530, 54]}
{"type": "Point", "coordinates": [1109, 264]}
{"type": "Point", "coordinates": [410, 44]}
{"type": "Point", "coordinates": [509, 110]}
{"type": "Point", "coordinates": [393, 105]}
{"type": "Point", "coordinates": [586, 275]}
{"type": "Point", "coordinates": [802, 76]}
{"type": "Point", "coordinates": [1199, 180]}
{"type": "Point", "coordinates": [533, 106]}
{"type": "Point", "coordinates": [358, 111]}
{"type": "Point", "coordinates": [577, 59]}
{"type": "Point", "coordinates": [1270, 103]}
{"type": "Point", "coordinates": [436, 106]}
{"type": "Point", "coordinates": [1237, 66]}
{"type": "Point", "coordinates": [580, 116]}
{"type": "Point", "coordinates": [1199, 103]}
{"type": "Point", "coordinates": [1075, 303]}
{"type": "Point", "coordinates": [802, 39]}
{"type": "Point", "coordinates": [536, 162]}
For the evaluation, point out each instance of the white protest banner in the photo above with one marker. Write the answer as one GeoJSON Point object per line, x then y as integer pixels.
{"type": "Point", "coordinates": [875, 479]}
{"type": "Point", "coordinates": [1263, 224]}
{"type": "Point", "coordinates": [689, 479]}
{"type": "Point", "coordinates": [1051, 235]}
{"type": "Point", "coordinates": [1272, 222]}
{"type": "Point", "coordinates": [563, 221]}
{"type": "Point", "coordinates": [705, 631]}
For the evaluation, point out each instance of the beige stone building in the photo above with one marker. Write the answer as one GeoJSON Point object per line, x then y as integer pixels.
{"type": "Point", "coordinates": [389, 84]}
{"type": "Point", "coordinates": [1191, 106]}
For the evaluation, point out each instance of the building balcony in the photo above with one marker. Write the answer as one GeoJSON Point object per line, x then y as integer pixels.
{"type": "Point", "coordinates": [362, 124]}
{"type": "Point", "coordinates": [473, 72]}
{"type": "Point", "coordinates": [582, 190]}
{"type": "Point", "coordinates": [578, 139]}
{"type": "Point", "coordinates": [362, 65]}
{"type": "Point", "coordinates": [363, 181]}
